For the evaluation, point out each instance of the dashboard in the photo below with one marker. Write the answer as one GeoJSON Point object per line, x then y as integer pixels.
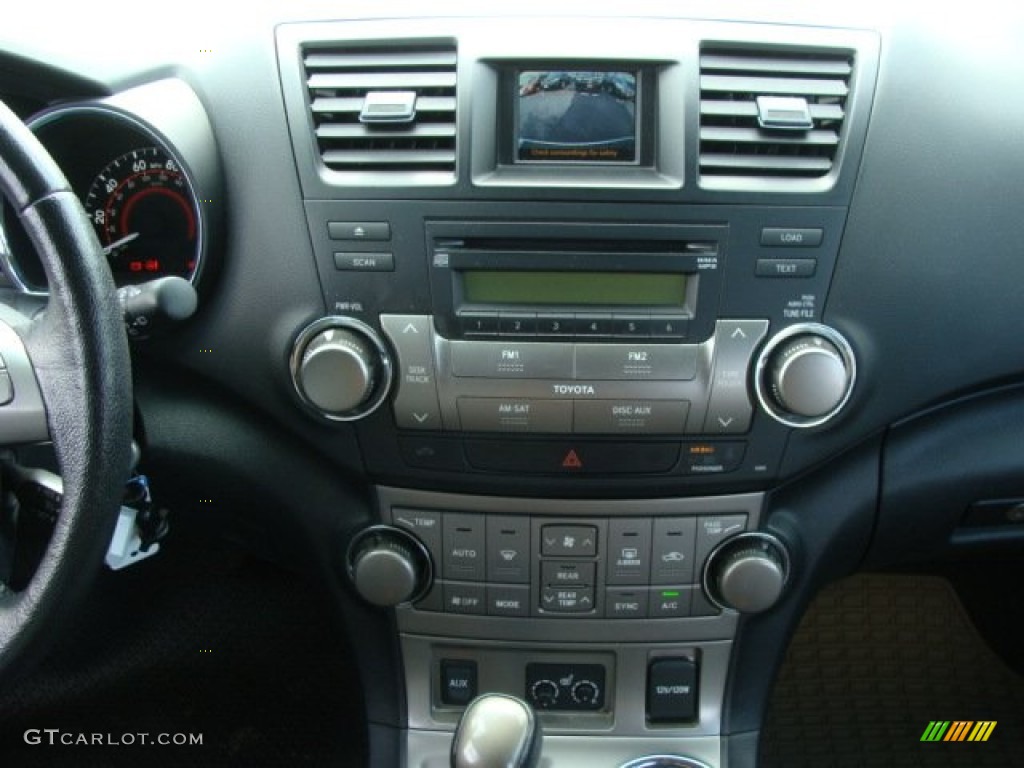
{"type": "Point", "coordinates": [577, 351]}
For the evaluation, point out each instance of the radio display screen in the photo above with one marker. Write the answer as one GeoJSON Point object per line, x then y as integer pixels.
{"type": "Point", "coordinates": [632, 289]}
{"type": "Point", "coordinates": [576, 116]}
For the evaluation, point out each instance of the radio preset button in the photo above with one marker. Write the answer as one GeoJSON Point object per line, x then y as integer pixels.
{"type": "Point", "coordinates": [670, 326]}
{"type": "Point", "coordinates": [517, 323]}
{"type": "Point", "coordinates": [555, 325]}
{"type": "Point", "coordinates": [638, 417]}
{"type": "Point", "coordinates": [631, 326]}
{"type": "Point", "coordinates": [636, 362]}
{"type": "Point", "coordinates": [593, 325]}
{"type": "Point", "coordinates": [511, 360]}
{"type": "Point", "coordinates": [496, 414]}
{"type": "Point", "coordinates": [479, 323]}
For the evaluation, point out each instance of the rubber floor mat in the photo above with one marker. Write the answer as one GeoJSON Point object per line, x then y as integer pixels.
{"type": "Point", "coordinates": [876, 660]}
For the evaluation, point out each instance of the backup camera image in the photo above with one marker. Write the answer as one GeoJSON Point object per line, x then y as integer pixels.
{"type": "Point", "coordinates": [576, 117]}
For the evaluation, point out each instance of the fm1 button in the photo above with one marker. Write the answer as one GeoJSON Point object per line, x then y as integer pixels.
{"type": "Point", "coordinates": [458, 682]}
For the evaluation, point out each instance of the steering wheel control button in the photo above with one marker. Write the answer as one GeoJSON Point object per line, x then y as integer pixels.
{"type": "Point", "coordinates": [805, 375]}
{"type": "Point", "coordinates": [415, 404]}
{"type": "Point", "coordinates": [508, 600]}
{"type": "Point", "coordinates": [364, 261]}
{"type": "Point", "coordinates": [379, 231]}
{"type": "Point", "coordinates": [458, 682]}
{"type": "Point", "coordinates": [672, 691]}
{"type": "Point", "coordinates": [566, 687]}
{"type": "Point", "coordinates": [465, 598]}
{"type": "Point", "coordinates": [626, 603]}
{"type": "Point", "coordinates": [672, 552]}
{"type": "Point", "coordinates": [792, 237]}
{"type": "Point", "coordinates": [629, 551]}
{"type": "Point", "coordinates": [388, 566]}
{"type": "Point", "coordinates": [729, 408]}
{"type": "Point", "coordinates": [464, 540]}
{"type": "Point", "coordinates": [669, 602]}
{"type": "Point", "coordinates": [508, 549]}
{"type": "Point", "coordinates": [568, 541]}
{"type": "Point", "coordinates": [747, 573]}
{"type": "Point", "coordinates": [6, 388]}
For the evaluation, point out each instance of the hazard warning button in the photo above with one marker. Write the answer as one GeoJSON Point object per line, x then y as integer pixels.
{"type": "Point", "coordinates": [561, 457]}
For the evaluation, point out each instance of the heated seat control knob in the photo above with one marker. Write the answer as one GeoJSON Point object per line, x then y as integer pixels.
{"type": "Point", "coordinates": [747, 573]}
{"type": "Point", "coordinates": [340, 368]}
{"type": "Point", "coordinates": [805, 375]}
{"type": "Point", "coordinates": [389, 566]}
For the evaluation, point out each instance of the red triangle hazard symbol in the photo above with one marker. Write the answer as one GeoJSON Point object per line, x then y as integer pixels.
{"type": "Point", "coordinates": [572, 461]}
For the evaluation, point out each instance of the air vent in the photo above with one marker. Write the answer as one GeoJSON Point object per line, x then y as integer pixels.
{"type": "Point", "coordinates": [767, 114]}
{"type": "Point", "coordinates": [383, 109]}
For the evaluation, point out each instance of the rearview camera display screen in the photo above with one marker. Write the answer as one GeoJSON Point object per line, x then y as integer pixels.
{"type": "Point", "coordinates": [576, 117]}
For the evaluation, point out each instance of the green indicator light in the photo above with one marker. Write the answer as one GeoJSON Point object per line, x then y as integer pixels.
{"type": "Point", "coordinates": [670, 594]}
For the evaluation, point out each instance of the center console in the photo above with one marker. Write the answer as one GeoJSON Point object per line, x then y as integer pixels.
{"type": "Point", "coordinates": [574, 313]}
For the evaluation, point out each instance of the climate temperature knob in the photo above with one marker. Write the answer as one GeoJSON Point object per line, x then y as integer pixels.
{"type": "Point", "coordinates": [747, 573]}
{"type": "Point", "coordinates": [340, 368]}
{"type": "Point", "coordinates": [389, 566]}
{"type": "Point", "coordinates": [805, 375]}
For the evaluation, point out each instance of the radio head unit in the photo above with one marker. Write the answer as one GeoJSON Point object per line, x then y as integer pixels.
{"type": "Point", "coordinates": [562, 281]}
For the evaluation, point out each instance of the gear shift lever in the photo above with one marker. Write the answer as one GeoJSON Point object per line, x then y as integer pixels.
{"type": "Point", "coordinates": [497, 731]}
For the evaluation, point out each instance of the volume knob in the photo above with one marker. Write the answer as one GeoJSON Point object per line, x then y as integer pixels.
{"type": "Point", "coordinates": [340, 368]}
{"type": "Point", "coordinates": [805, 375]}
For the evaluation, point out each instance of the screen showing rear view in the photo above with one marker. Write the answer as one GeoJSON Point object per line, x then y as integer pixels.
{"type": "Point", "coordinates": [576, 117]}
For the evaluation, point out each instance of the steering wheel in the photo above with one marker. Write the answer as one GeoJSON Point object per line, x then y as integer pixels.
{"type": "Point", "coordinates": [66, 377]}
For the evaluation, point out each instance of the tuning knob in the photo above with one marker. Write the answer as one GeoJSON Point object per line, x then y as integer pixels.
{"type": "Point", "coordinates": [341, 368]}
{"type": "Point", "coordinates": [747, 573]}
{"type": "Point", "coordinates": [805, 375]}
{"type": "Point", "coordinates": [389, 566]}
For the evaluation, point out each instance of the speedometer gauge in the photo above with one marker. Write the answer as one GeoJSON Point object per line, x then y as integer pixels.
{"type": "Point", "coordinates": [146, 217]}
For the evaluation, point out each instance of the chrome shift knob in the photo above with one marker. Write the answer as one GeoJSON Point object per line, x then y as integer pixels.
{"type": "Point", "coordinates": [497, 731]}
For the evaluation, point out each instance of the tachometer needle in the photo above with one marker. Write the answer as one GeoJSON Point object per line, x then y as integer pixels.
{"type": "Point", "coordinates": [119, 244]}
